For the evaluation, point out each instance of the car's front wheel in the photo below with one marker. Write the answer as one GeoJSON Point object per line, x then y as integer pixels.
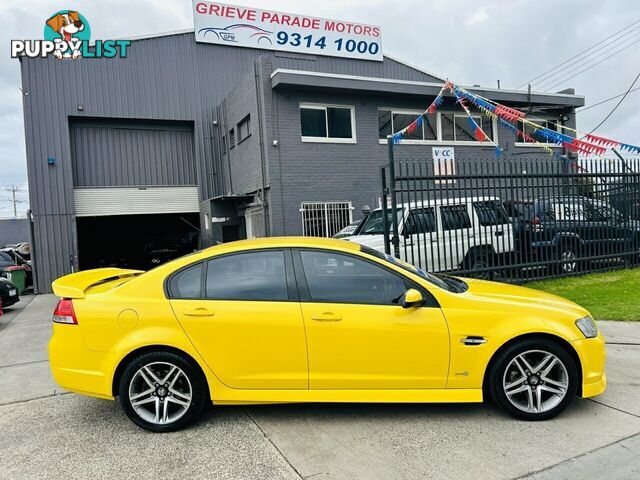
{"type": "Point", "coordinates": [162, 391]}
{"type": "Point", "coordinates": [534, 379]}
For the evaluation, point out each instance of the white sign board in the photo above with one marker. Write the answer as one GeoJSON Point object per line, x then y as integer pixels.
{"type": "Point", "coordinates": [254, 28]}
{"type": "Point", "coordinates": [444, 162]}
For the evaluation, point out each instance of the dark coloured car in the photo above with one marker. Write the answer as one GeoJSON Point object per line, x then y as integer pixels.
{"type": "Point", "coordinates": [569, 229]}
{"type": "Point", "coordinates": [8, 293]}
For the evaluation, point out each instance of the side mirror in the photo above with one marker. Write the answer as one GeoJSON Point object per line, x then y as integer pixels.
{"type": "Point", "coordinates": [411, 298]}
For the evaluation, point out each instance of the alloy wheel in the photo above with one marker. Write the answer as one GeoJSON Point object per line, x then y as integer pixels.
{"type": "Point", "coordinates": [535, 381]}
{"type": "Point", "coordinates": [568, 261]}
{"type": "Point", "coordinates": [160, 393]}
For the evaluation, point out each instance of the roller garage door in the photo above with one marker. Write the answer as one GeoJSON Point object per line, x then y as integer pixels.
{"type": "Point", "coordinates": [135, 192]}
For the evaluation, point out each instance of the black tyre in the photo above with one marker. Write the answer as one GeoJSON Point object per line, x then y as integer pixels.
{"type": "Point", "coordinates": [480, 260]}
{"type": "Point", "coordinates": [534, 379]}
{"type": "Point", "coordinates": [162, 391]}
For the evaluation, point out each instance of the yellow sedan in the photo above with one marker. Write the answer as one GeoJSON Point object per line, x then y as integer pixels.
{"type": "Point", "coordinates": [292, 319]}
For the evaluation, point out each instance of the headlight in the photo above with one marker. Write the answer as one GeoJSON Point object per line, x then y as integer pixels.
{"type": "Point", "coordinates": [587, 326]}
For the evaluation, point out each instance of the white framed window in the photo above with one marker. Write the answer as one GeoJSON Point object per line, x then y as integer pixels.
{"type": "Point", "coordinates": [441, 128]}
{"type": "Point", "coordinates": [327, 123]}
{"type": "Point", "coordinates": [393, 120]}
{"type": "Point", "coordinates": [528, 129]}
{"type": "Point", "coordinates": [325, 219]}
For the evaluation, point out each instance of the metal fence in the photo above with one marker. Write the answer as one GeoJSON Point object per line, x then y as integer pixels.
{"type": "Point", "coordinates": [325, 219]}
{"type": "Point", "coordinates": [511, 220]}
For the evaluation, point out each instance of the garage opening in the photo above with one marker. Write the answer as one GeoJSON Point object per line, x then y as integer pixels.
{"type": "Point", "coordinates": [135, 241]}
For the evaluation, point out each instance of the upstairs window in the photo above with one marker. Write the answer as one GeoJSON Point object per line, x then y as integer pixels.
{"type": "Point", "coordinates": [244, 128]}
{"type": "Point", "coordinates": [392, 121]}
{"type": "Point", "coordinates": [529, 129]}
{"type": "Point", "coordinates": [458, 128]}
{"type": "Point", "coordinates": [232, 138]}
{"type": "Point", "coordinates": [327, 123]}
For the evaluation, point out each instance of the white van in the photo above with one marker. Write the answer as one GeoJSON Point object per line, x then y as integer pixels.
{"type": "Point", "coordinates": [447, 234]}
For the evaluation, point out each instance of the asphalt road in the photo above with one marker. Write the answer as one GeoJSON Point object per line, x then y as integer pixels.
{"type": "Point", "coordinates": [46, 432]}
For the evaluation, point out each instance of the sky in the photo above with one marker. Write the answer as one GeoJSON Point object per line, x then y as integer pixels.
{"type": "Point", "coordinates": [467, 41]}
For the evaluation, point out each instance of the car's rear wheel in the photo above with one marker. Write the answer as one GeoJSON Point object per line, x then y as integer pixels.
{"type": "Point", "coordinates": [568, 256]}
{"type": "Point", "coordinates": [534, 379]}
{"type": "Point", "coordinates": [480, 260]}
{"type": "Point", "coordinates": [162, 391]}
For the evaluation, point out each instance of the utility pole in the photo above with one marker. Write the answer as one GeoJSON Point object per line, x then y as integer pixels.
{"type": "Point", "coordinates": [14, 189]}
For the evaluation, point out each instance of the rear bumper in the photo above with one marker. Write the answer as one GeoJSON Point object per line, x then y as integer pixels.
{"type": "Point", "coordinates": [593, 358]}
{"type": "Point", "coordinates": [76, 368]}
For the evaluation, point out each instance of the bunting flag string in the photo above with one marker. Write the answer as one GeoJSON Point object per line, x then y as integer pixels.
{"type": "Point", "coordinates": [588, 144]}
{"type": "Point", "coordinates": [594, 145]}
{"type": "Point", "coordinates": [418, 122]}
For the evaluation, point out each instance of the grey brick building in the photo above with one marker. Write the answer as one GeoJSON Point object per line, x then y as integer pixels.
{"type": "Point", "coordinates": [137, 159]}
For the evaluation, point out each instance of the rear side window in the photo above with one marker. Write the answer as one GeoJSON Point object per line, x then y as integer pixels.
{"type": "Point", "coordinates": [251, 276]}
{"type": "Point", "coordinates": [422, 220]}
{"type": "Point", "coordinates": [455, 217]}
{"type": "Point", "coordinates": [569, 210]}
{"type": "Point", "coordinates": [490, 213]}
{"type": "Point", "coordinates": [187, 283]}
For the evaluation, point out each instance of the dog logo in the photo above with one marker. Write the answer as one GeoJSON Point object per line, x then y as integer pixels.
{"type": "Point", "coordinates": [68, 29]}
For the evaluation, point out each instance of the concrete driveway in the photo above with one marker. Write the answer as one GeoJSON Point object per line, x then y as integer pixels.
{"type": "Point", "coordinates": [46, 432]}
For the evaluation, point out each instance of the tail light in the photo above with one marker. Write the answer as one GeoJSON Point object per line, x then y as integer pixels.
{"type": "Point", "coordinates": [64, 312]}
{"type": "Point", "coordinates": [536, 224]}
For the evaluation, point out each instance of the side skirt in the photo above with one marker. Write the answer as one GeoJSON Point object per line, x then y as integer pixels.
{"type": "Point", "coordinates": [228, 396]}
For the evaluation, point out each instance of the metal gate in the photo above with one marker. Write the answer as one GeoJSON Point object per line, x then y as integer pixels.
{"type": "Point", "coordinates": [513, 219]}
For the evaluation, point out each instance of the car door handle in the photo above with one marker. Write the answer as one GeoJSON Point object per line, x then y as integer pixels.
{"type": "Point", "coordinates": [326, 317]}
{"type": "Point", "coordinates": [199, 312]}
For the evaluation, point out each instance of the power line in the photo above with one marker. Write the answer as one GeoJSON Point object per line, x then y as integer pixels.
{"type": "Point", "coordinates": [583, 61]}
{"type": "Point", "coordinates": [606, 100]}
{"type": "Point", "coordinates": [555, 85]}
{"type": "Point", "coordinates": [579, 54]}
{"type": "Point", "coordinates": [616, 107]}
{"type": "Point", "coordinates": [590, 56]}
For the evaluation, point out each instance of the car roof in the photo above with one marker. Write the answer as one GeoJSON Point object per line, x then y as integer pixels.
{"type": "Point", "coordinates": [443, 201]}
{"type": "Point", "coordinates": [284, 242]}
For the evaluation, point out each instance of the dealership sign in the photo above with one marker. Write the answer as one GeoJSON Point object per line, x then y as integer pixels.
{"type": "Point", "coordinates": [250, 27]}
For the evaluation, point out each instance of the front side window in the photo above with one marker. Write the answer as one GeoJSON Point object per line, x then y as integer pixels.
{"type": "Point", "coordinates": [455, 217]}
{"type": "Point", "coordinates": [328, 123]}
{"type": "Point", "coordinates": [569, 210]}
{"type": "Point", "coordinates": [251, 276]}
{"type": "Point", "coordinates": [338, 278]}
{"type": "Point", "coordinates": [187, 283]}
{"type": "Point", "coordinates": [373, 225]}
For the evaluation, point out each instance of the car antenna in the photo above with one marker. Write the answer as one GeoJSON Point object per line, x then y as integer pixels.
{"type": "Point", "coordinates": [217, 242]}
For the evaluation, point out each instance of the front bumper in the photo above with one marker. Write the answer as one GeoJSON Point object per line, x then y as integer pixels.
{"type": "Point", "coordinates": [593, 358]}
{"type": "Point", "coordinates": [7, 301]}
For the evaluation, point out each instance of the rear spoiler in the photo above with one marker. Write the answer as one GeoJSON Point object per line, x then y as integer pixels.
{"type": "Point", "coordinates": [75, 284]}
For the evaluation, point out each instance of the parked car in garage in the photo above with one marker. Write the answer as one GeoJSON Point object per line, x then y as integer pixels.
{"type": "Point", "coordinates": [566, 229]}
{"type": "Point", "coordinates": [446, 234]}
{"type": "Point", "coordinates": [8, 293]}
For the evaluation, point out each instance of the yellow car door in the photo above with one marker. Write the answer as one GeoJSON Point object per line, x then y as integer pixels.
{"type": "Point", "coordinates": [242, 313]}
{"type": "Point", "coordinates": [358, 335]}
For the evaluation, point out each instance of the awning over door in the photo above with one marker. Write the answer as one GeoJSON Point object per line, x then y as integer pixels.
{"type": "Point", "coordinates": [135, 200]}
